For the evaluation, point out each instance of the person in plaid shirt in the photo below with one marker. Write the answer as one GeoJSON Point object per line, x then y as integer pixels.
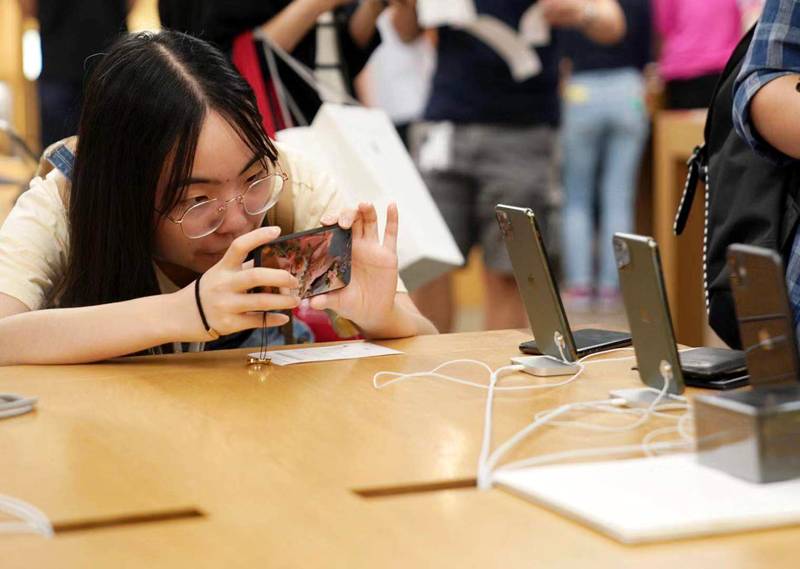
{"type": "Point", "coordinates": [766, 105]}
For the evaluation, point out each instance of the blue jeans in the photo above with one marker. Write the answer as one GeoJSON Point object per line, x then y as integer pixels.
{"type": "Point", "coordinates": [604, 129]}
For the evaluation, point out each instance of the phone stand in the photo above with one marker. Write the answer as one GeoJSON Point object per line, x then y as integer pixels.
{"type": "Point", "coordinates": [545, 366]}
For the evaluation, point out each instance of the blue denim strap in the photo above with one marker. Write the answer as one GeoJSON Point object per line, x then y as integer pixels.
{"type": "Point", "coordinates": [63, 159]}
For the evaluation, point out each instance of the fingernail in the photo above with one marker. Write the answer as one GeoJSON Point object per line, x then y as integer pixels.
{"type": "Point", "coordinates": [327, 220]}
{"type": "Point", "coordinates": [274, 231]}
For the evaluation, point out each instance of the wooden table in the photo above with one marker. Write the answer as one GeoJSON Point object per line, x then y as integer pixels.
{"type": "Point", "coordinates": [274, 462]}
{"type": "Point", "coordinates": [675, 137]}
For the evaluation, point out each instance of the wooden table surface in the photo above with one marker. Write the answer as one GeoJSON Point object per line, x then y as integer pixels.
{"type": "Point", "coordinates": [273, 461]}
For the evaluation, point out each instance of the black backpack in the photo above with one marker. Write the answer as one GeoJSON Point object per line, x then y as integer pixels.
{"type": "Point", "coordinates": [748, 199]}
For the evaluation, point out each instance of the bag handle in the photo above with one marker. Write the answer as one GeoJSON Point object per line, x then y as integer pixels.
{"type": "Point", "coordinates": [302, 70]}
{"type": "Point", "coordinates": [698, 162]}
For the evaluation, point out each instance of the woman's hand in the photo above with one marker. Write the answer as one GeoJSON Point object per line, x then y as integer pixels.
{"type": "Point", "coordinates": [369, 299]}
{"type": "Point", "coordinates": [224, 290]}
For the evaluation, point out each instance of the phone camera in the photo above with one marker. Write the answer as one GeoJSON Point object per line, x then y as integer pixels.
{"type": "Point", "coordinates": [505, 226]}
{"type": "Point", "coordinates": [621, 253]}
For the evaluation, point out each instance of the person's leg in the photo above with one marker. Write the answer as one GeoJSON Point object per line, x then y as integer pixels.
{"type": "Point", "coordinates": [580, 142]}
{"type": "Point", "coordinates": [503, 308]}
{"type": "Point", "coordinates": [453, 191]}
{"type": "Point", "coordinates": [513, 166]}
{"type": "Point", "coordinates": [622, 159]}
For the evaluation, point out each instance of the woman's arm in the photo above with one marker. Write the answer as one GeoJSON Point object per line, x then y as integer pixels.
{"type": "Point", "coordinates": [405, 21]}
{"type": "Point", "coordinates": [363, 23]}
{"type": "Point", "coordinates": [294, 22]}
{"type": "Point", "coordinates": [774, 111]}
{"type": "Point", "coordinates": [79, 335]}
{"type": "Point", "coordinates": [87, 334]}
{"type": "Point", "coordinates": [602, 21]}
{"type": "Point", "coordinates": [403, 320]}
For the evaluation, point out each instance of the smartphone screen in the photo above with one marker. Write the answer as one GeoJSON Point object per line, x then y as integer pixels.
{"type": "Point", "coordinates": [320, 259]}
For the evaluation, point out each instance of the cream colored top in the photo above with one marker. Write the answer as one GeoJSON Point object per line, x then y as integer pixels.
{"type": "Point", "coordinates": [34, 240]}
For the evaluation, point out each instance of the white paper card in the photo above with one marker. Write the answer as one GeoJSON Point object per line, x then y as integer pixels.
{"type": "Point", "coordinates": [436, 151]}
{"type": "Point", "coordinates": [354, 350]}
{"type": "Point", "coordinates": [436, 13]}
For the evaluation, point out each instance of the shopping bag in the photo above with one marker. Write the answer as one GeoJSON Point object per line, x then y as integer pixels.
{"type": "Point", "coordinates": [362, 151]}
{"type": "Point", "coordinates": [435, 13]}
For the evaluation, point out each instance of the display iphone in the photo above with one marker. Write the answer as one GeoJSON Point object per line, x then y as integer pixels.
{"type": "Point", "coordinates": [320, 259]}
{"type": "Point", "coordinates": [539, 293]}
{"type": "Point", "coordinates": [765, 318]}
{"type": "Point", "coordinates": [645, 297]}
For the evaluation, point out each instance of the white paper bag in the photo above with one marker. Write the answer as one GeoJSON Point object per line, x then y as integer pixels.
{"type": "Point", "coordinates": [361, 149]}
{"type": "Point", "coordinates": [533, 28]}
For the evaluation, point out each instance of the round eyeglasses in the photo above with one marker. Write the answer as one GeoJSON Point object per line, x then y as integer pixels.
{"type": "Point", "coordinates": [206, 217]}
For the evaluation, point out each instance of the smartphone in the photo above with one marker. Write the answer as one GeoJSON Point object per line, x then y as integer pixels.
{"type": "Point", "coordinates": [320, 259]}
{"type": "Point", "coordinates": [539, 292]}
{"type": "Point", "coordinates": [765, 319]}
{"type": "Point", "coordinates": [645, 299]}
{"type": "Point", "coordinates": [645, 296]}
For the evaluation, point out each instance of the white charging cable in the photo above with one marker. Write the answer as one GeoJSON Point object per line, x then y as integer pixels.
{"type": "Point", "coordinates": [30, 518]}
{"type": "Point", "coordinates": [12, 405]}
{"type": "Point", "coordinates": [491, 387]}
{"type": "Point", "coordinates": [594, 452]}
{"type": "Point", "coordinates": [487, 462]}
{"type": "Point", "coordinates": [548, 417]}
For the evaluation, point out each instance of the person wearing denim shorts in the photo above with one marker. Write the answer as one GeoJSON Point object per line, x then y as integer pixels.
{"type": "Point", "coordinates": [488, 139]}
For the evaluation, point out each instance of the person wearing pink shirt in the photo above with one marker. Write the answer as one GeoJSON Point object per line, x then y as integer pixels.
{"type": "Point", "coordinates": [696, 39]}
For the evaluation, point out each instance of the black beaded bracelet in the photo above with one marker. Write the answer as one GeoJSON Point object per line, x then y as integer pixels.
{"type": "Point", "coordinates": [213, 333]}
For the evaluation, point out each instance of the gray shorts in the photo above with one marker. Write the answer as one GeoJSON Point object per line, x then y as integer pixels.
{"type": "Point", "coordinates": [487, 165]}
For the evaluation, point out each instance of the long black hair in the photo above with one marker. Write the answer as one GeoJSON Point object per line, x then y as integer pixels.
{"type": "Point", "coordinates": [144, 107]}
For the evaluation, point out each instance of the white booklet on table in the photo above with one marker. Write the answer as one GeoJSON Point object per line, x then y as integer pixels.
{"type": "Point", "coordinates": [349, 351]}
{"type": "Point", "coordinates": [656, 499]}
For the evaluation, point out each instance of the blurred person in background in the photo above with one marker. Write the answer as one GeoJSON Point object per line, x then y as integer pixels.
{"type": "Point", "coordinates": [696, 38]}
{"type": "Point", "coordinates": [335, 38]}
{"type": "Point", "coordinates": [398, 76]}
{"type": "Point", "coordinates": [71, 32]}
{"type": "Point", "coordinates": [604, 129]}
{"type": "Point", "coordinates": [494, 138]}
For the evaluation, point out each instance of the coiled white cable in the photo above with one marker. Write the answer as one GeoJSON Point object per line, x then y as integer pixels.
{"type": "Point", "coordinates": [31, 519]}
{"type": "Point", "coordinates": [487, 462]}
{"type": "Point", "coordinates": [548, 417]}
{"type": "Point", "coordinates": [594, 452]}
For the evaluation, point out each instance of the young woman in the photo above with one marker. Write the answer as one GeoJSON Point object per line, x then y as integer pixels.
{"type": "Point", "coordinates": [173, 177]}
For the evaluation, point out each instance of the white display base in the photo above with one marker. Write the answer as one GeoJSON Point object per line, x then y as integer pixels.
{"type": "Point", "coordinates": [656, 499]}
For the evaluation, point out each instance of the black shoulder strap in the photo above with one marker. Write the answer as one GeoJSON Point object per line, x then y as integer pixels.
{"type": "Point", "coordinates": [698, 163]}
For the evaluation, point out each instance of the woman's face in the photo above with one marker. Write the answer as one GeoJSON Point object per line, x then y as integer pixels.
{"type": "Point", "coordinates": [223, 168]}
